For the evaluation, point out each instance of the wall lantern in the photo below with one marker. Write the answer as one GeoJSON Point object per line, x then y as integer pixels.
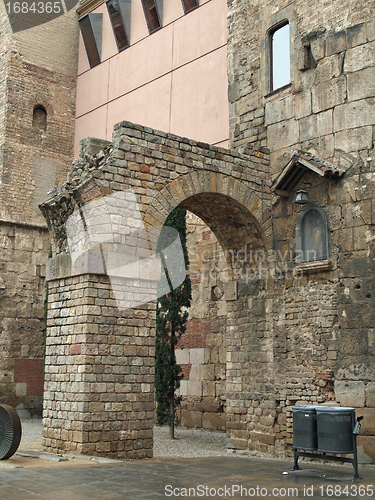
{"type": "Point", "coordinates": [301, 197]}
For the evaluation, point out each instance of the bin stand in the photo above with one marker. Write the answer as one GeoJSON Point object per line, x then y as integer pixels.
{"type": "Point", "coordinates": [324, 456]}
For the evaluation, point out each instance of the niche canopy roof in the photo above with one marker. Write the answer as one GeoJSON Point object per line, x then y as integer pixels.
{"type": "Point", "coordinates": [297, 166]}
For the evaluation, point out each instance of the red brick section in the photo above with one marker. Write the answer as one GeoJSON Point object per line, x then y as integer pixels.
{"type": "Point", "coordinates": [30, 371]}
{"type": "Point", "coordinates": [195, 335]}
{"type": "Point", "coordinates": [185, 370]}
{"type": "Point", "coordinates": [206, 234]}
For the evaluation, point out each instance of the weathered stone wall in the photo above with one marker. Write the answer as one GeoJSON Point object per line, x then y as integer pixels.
{"type": "Point", "coordinates": [323, 317]}
{"type": "Point", "coordinates": [37, 67]}
{"type": "Point", "coordinates": [326, 109]}
{"type": "Point", "coordinates": [22, 292]}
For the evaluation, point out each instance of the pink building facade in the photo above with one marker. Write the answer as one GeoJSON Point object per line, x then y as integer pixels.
{"type": "Point", "coordinates": [174, 79]}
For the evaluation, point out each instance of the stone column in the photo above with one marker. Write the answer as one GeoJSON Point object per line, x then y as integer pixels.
{"type": "Point", "coordinates": [99, 371]}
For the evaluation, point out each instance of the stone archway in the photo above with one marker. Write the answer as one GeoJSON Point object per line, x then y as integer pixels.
{"type": "Point", "coordinates": [100, 352]}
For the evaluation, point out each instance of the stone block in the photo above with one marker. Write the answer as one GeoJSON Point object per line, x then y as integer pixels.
{"type": "Point", "coordinates": [182, 356]}
{"type": "Point", "coordinates": [371, 341]}
{"type": "Point", "coordinates": [356, 35]}
{"type": "Point", "coordinates": [336, 42]}
{"type": "Point", "coordinates": [259, 437]}
{"type": "Point", "coordinates": [195, 372]}
{"type": "Point", "coordinates": [356, 371]}
{"type": "Point", "coordinates": [354, 139]}
{"type": "Point", "coordinates": [359, 58]}
{"type": "Point", "coordinates": [370, 396]}
{"type": "Point", "coordinates": [210, 405]}
{"type": "Point", "coordinates": [328, 68]}
{"type": "Point", "coordinates": [191, 419]}
{"type": "Point", "coordinates": [302, 104]}
{"type": "Point", "coordinates": [237, 444]}
{"type": "Point", "coordinates": [318, 48]}
{"type": "Point", "coordinates": [21, 389]}
{"type": "Point", "coordinates": [197, 356]}
{"type": "Point", "coordinates": [92, 146]}
{"type": "Point", "coordinates": [222, 309]}
{"type": "Point", "coordinates": [183, 388]}
{"type": "Point", "coordinates": [194, 388]}
{"type": "Point", "coordinates": [208, 372]}
{"type": "Point", "coordinates": [350, 393]}
{"type": "Point", "coordinates": [328, 94]}
{"type": "Point", "coordinates": [368, 422]}
{"type": "Point", "coordinates": [209, 388]}
{"type": "Point", "coordinates": [316, 125]}
{"type": "Point", "coordinates": [370, 28]}
{"type": "Point", "coordinates": [353, 115]}
{"type": "Point", "coordinates": [230, 291]}
{"type": "Point", "coordinates": [214, 421]}
{"type": "Point", "coordinates": [361, 84]}
{"type": "Point", "coordinates": [366, 449]}
{"type": "Point", "coordinates": [279, 110]}
{"type": "Point", "coordinates": [283, 134]}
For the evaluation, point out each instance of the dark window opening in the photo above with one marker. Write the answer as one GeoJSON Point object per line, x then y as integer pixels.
{"type": "Point", "coordinates": [152, 15]}
{"type": "Point", "coordinates": [280, 57]}
{"type": "Point", "coordinates": [40, 117]}
{"type": "Point", "coordinates": [314, 236]}
{"type": "Point", "coordinates": [189, 5]}
{"type": "Point", "coordinates": [116, 10]}
{"type": "Point", "coordinates": [91, 29]}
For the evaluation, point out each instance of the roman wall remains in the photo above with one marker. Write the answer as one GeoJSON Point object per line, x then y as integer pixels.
{"type": "Point", "coordinates": [323, 314]}
{"type": "Point", "coordinates": [37, 108]}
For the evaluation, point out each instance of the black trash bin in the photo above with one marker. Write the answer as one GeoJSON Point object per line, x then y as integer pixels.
{"type": "Point", "coordinates": [335, 429]}
{"type": "Point", "coordinates": [305, 428]}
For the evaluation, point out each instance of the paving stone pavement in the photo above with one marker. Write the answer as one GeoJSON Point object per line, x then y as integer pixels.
{"type": "Point", "coordinates": [206, 478]}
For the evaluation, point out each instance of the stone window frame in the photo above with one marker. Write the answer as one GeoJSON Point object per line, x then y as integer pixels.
{"type": "Point", "coordinates": [316, 265]}
{"type": "Point", "coordinates": [269, 26]}
{"type": "Point", "coordinates": [272, 32]}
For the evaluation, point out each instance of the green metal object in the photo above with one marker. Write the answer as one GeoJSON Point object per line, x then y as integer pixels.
{"type": "Point", "coordinates": [10, 431]}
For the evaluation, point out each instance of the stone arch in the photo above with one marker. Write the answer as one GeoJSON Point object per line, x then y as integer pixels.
{"type": "Point", "coordinates": [200, 182]}
{"type": "Point", "coordinates": [100, 354]}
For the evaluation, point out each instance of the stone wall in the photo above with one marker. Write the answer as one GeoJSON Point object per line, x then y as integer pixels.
{"type": "Point", "coordinates": [37, 67]}
{"type": "Point", "coordinates": [323, 316]}
{"type": "Point", "coordinates": [22, 292]}
{"type": "Point", "coordinates": [99, 371]}
{"type": "Point", "coordinates": [326, 109]}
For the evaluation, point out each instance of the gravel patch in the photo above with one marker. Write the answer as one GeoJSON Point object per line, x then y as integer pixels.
{"type": "Point", "coordinates": [31, 434]}
{"type": "Point", "coordinates": [188, 442]}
